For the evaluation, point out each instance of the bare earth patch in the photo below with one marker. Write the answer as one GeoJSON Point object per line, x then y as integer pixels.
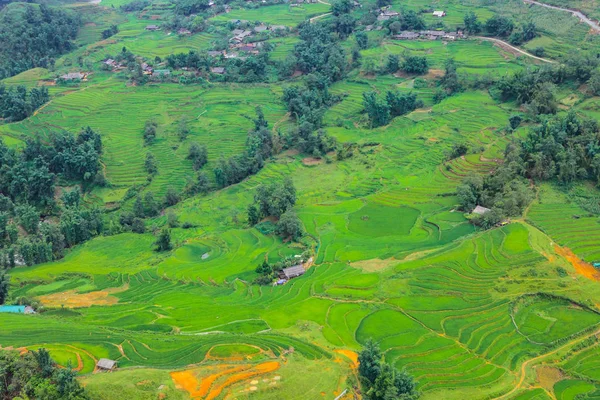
{"type": "Point", "coordinates": [310, 161]}
{"type": "Point", "coordinates": [375, 264]}
{"type": "Point", "coordinates": [72, 299]}
{"type": "Point", "coordinates": [548, 376]}
{"type": "Point", "coordinates": [582, 267]}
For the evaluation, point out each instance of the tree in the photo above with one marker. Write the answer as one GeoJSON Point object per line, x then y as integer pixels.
{"type": "Point", "coordinates": [138, 207]}
{"type": "Point", "coordinates": [450, 80]}
{"type": "Point", "coordinates": [472, 24]}
{"type": "Point", "coordinates": [172, 219]}
{"type": "Point", "coordinates": [198, 154]}
{"type": "Point", "coordinates": [377, 109]}
{"type": "Point", "coordinates": [71, 198]}
{"type": "Point", "coordinates": [138, 226]}
{"type": "Point", "coordinates": [594, 83]}
{"type": "Point", "coordinates": [415, 65]}
{"type": "Point", "coordinates": [171, 197]}
{"type": "Point", "coordinates": [499, 26]}
{"type": "Point", "coordinates": [340, 7]}
{"type": "Point", "coordinates": [393, 63]}
{"type": "Point", "coordinates": [369, 360]}
{"type": "Point", "coordinates": [163, 241]}
{"type": "Point", "coordinates": [182, 130]}
{"type": "Point", "coordinates": [150, 132]}
{"type": "Point", "coordinates": [290, 226]}
{"type": "Point", "coordinates": [4, 281]}
{"type": "Point", "coordinates": [362, 40]}
{"type": "Point", "coordinates": [381, 381]}
{"type": "Point", "coordinates": [29, 217]}
{"type": "Point", "coordinates": [253, 215]}
{"type": "Point", "coordinates": [151, 206]}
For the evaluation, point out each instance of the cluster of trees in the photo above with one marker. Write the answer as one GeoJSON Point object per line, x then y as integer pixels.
{"type": "Point", "coordinates": [4, 283]}
{"type": "Point", "coordinates": [381, 111]}
{"type": "Point", "coordinates": [277, 200]}
{"type": "Point", "coordinates": [563, 148]}
{"type": "Point", "coordinates": [108, 32]}
{"type": "Point", "coordinates": [27, 184]}
{"type": "Point", "coordinates": [534, 87]}
{"type": "Point", "coordinates": [35, 37]}
{"type": "Point", "coordinates": [319, 51]}
{"type": "Point", "coordinates": [408, 20]}
{"type": "Point", "coordinates": [307, 105]}
{"type": "Point", "coordinates": [380, 380]}
{"type": "Point", "coordinates": [17, 103]}
{"type": "Point", "coordinates": [501, 27]}
{"type": "Point", "coordinates": [135, 5]}
{"type": "Point", "coordinates": [259, 148]}
{"type": "Point", "coordinates": [272, 200]}
{"type": "Point", "coordinates": [71, 157]}
{"type": "Point", "coordinates": [34, 375]}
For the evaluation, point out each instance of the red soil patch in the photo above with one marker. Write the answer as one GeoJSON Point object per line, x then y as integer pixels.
{"type": "Point", "coordinates": [72, 299]}
{"type": "Point", "coordinates": [582, 267]}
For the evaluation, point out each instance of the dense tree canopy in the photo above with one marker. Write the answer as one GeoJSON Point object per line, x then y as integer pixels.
{"type": "Point", "coordinates": [34, 375]}
{"type": "Point", "coordinates": [34, 37]}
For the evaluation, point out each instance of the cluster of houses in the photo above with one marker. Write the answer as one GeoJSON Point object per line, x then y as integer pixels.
{"type": "Point", "coordinates": [297, 3]}
{"type": "Point", "coordinates": [386, 14]}
{"type": "Point", "coordinates": [429, 35]}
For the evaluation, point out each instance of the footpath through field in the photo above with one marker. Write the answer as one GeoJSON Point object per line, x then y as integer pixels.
{"type": "Point", "coordinates": [593, 24]}
{"type": "Point", "coordinates": [502, 43]}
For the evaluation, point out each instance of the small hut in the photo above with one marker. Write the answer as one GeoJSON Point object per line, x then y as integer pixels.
{"type": "Point", "coordinates": [104, 364]}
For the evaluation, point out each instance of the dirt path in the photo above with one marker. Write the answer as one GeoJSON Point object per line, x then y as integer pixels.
{"type": "Point", "coordinates": [582, 17]}
{"type": "Point", "coordinates": [523, 371]}
{"type": "Point", "coordinates": [313, 19]}
{"type": "Point", "coordinates": [506, 45]}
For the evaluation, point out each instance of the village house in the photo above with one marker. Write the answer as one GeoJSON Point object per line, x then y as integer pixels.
{"type": "Point", "coordinates": [390, 13]}
{"type": "Point", "coordinates": [161, 72]}
{"type": "Point", "coordinates": [73, 76]}
{"type": "Point", "coordinates": [277, 28]}
{"type": "Point", "coordinates": [238, 37]}
{"type": "Point", "coordinates": [292, 272]}
{"type": "Point", "coordinates": [406, 35]}
{"type": "Point", "coordinates": [382, 17]}
{"type": "Point", "coordinates": [106, 365]}
{"type": "Point", "coordinates": [184, 32]}
{"type": "Point", "coordinates": [217, 70]}
{"type": "Point", "coordinates": [479, 210]}
{"type": "Point", "coordinates": [231, 55]}
{"type": "Point", "coordinates": [152, 27]}
{"type": "Point", "coordinates": [260, 28]}
{"type": "Point", "coordinates": [146, 69]}
{"type": "Point", "coordinates": [215, 53]}
{"type": "Point", "coordinates": [16, 310]}
{"type": "Point", "coordinates": [439, 14]}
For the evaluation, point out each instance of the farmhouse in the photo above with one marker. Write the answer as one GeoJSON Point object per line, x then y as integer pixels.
{"type": "Point", "coordinates": [292, 272]}
{"type": "Point", "coordinates": [104, 364]}
{"type": "Point", "coordinates": [184, 32]}
{"type": "Point", "coordinates": [260, 28]}
{"type": "Point", "coordinates": [161, 72]}
{"type": "Point", "coordinates": [73, 76]}
{"type": "Point", "coordinates": [480, 210]}
{"type": "Point", "coordinates": [217, 70]}
{"type": "Point", "coordinates": [439, 14]}
{"type": "Point", "coordinates": [407, 36]}
{"type": "Point", "coordinates": [16, 310]}
{"type": "Point", "coordinates": [152, 27]}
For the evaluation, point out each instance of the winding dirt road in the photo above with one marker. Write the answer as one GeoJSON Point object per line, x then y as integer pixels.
{"type": "Point", "coordinates": [506, 44]}
{"type": "Point", "coordinates": [582, 17]}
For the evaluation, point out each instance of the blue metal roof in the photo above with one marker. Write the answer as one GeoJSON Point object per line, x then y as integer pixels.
{"type": "Point", "coordinates": [12, 309]}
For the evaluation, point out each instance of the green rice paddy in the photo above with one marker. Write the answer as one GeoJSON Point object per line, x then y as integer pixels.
{"type": "Point", "coordinates": [471, 314]}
